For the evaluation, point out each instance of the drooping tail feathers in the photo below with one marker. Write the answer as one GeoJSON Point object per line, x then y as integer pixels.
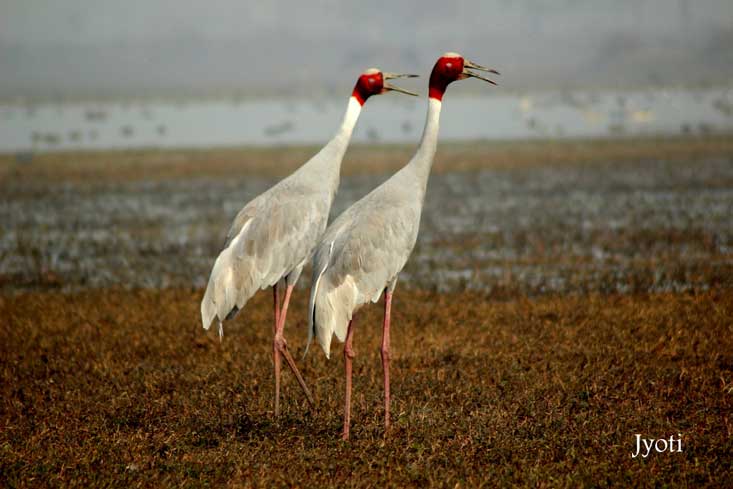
{"type": "Point", "coordinates": [319, 268]}
{"type": "Point", "coordinates": [233, 281]}
{"type": "Point", "coordinates": [330, 307]}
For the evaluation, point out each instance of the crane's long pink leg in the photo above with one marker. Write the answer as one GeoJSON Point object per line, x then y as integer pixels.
{"type": "Point", "coordinates": [348, 357]}
{"type": "Point", "coordinates": [276, 297]}
{"type": "Point", "coordinates": [385, 354]}
{"type": "Point", "coordinates": [275, 351]}
{"type": "Point", "coordinates": [281, 346]}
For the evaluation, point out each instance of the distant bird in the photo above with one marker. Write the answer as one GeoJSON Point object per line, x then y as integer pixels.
{"type": "Point", "coordinates": [366, 247]}
{"type": "Point", "coordinates": [275, 234]}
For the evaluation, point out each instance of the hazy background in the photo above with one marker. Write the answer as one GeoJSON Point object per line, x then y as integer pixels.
{"type": "Point", "coordinates": [80, 48]}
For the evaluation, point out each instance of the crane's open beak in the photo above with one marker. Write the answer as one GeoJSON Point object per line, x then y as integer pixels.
{"type": "Point", "coordinates": [470, 64]}
{"type": "Point", "coordinates": [390, 87]}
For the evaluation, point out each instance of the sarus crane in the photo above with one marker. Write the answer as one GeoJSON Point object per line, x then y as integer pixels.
{"type": "Point", "coordinates": [274, 235]}
{"type": "Point", "coordinates": [365, 248]}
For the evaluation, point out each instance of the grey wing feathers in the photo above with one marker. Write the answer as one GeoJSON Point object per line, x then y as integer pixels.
{"type": "Point", "coordinates": [359, 256]}
{"type": "Point", "coordinates": [270, 237]}
{"type": "Point", "coordinates": [243, 216]}
{"type": "Point", "coordinates": [376, 252]}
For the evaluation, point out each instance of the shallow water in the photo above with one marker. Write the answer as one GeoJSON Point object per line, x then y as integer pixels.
{"type": "Point", "coordinates": [613, 227]}
{"type": "Point", "coordinates": [391, 119]}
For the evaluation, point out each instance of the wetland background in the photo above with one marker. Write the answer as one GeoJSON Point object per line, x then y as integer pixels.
{"type": "Point", "coordinates": [625, 216]}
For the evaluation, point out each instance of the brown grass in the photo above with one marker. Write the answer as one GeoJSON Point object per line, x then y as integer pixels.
{"type": "Point", "coordinates": [131, 165]}
{"type": "Point", "coordinates": [123, 388]}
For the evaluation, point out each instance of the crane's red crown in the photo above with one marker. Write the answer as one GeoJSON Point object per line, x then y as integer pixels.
{"type": "Point", "coordinates": [371, 82]}
{"type": "Point", "coordinates": [447, 69]}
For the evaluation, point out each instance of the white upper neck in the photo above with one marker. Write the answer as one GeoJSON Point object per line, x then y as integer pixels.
{"type": "Point", "coordinates": [423, 159]}
{"type": "Point", "coordinates": [340, 140]}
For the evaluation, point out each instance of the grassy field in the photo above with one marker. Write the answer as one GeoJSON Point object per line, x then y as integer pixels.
{"type": "Point", "coordinates": [122, 388]}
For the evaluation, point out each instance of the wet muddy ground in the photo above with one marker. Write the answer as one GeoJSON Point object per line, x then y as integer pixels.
{"type": "Point", "coordinates": [633, 222]}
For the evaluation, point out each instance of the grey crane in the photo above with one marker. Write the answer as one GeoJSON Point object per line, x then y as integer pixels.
{"type": "Point", "coordinates": [365, 248]}
{"type": "Point", "coordinates": [274, 235]}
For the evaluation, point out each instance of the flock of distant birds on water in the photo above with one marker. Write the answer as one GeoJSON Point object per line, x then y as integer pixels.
{"type": "Point", "coordinates": [356, 259]}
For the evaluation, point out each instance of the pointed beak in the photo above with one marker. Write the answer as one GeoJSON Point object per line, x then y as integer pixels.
{"type": "Point", "coordinates": [473, 66]}
{"type": "Point", "coordinates": [390, 87]}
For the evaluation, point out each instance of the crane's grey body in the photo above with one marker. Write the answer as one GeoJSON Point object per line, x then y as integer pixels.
{"type": "Point", "coordinates": [274, 235]}
{"type": "Point", "coordinates": [365, 248]}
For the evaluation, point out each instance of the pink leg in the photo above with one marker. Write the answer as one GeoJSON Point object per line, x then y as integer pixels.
{"type": "Point", "coordinates": [275, 351]}
{"type": "Point", "coordinates": [348, 357]}
{"type": "Point", "coordinates": [280, 347]}
{"type": "Point", "coordinates": [276, 297]}
{"type": "Point", "coordinates": [385, 355]}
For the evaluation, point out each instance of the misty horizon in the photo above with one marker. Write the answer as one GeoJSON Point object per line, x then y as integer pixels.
{"type": "Point", "coordinates": [96, 49]}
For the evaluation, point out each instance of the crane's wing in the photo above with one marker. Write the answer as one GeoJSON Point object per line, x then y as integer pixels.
{"type": "Point", "coordinates": [270, 237]}
{"type": "Point", "coordinates": [355, 262]}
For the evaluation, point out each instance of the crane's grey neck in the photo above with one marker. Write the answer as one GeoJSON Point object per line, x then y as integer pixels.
{"type": "Point", "coordinates": [423, 159]}
{"type": "Point", "coordinates": [325, 167]}
{"type": "Point", "coordinates": [340, 141]}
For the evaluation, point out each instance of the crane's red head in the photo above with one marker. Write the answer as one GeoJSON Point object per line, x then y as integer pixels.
{"type": "Point", "coordinates": [374, 82]}
{"type": "Point", "coordinates": [449, 68]}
